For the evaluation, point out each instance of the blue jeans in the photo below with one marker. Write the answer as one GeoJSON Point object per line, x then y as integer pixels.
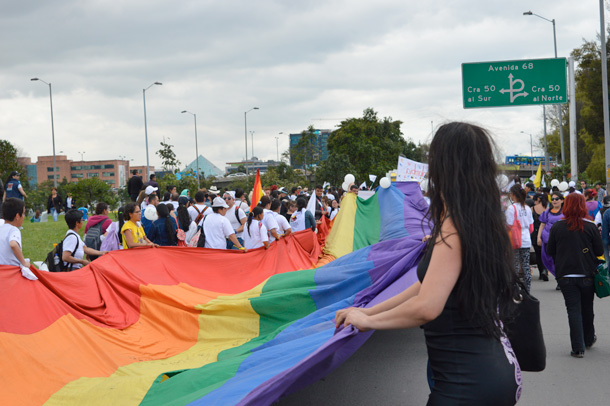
{"type": "Point", "coordinates": [54, 213]}
{"type": "Point", "coordinates": [578, 295]}
{"type": "Point", "coordinates": [230, 244]}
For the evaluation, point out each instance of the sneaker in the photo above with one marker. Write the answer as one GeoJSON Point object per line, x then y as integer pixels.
{"type": "Point", "coordinates": [592, 342]}
{"type": "Point", "coordinates": [578, 354]}
{"type": "Point", "coordinates": [545, 275]}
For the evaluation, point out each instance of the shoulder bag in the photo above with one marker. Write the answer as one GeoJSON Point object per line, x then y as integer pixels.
{"type": "Point", "coordinates": [524, 331]}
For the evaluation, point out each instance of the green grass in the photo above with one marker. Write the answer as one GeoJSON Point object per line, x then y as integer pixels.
{"type": "Point", "coordinates": [37, 239]}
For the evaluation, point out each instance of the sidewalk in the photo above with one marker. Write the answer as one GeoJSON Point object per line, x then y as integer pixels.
{"type": "Point", "coordinates": [390, 369]}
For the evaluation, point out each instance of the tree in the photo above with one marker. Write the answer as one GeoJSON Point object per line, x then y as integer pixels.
{"type": "Point", "coordinates": [8, 163]}
{"type": "Point", "coordinates": [334, 169]}
{"type": "Point", "coordinates": [367, 145]}
{"type": "Point", "coordinates": [88, 192]}
{"type": "Point", "coordinates": [168, 157]}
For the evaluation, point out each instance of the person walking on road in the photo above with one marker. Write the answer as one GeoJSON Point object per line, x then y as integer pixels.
{"type": "Point", "coordinates": [575, 243]}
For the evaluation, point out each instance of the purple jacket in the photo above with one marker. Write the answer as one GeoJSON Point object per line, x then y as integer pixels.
{"type": "Point", "coordinates": [549, 218]}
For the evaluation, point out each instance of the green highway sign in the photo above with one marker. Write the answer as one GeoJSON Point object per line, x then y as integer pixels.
{"type": "Point", "coordinates": [514, 83]}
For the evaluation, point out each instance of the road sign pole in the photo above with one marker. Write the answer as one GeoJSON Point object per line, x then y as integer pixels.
{"type": "Point", "coordinates": [573, 151]}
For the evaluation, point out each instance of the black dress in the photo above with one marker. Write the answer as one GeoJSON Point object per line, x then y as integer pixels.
{"type": "Point", "coordinates": [468, 367]}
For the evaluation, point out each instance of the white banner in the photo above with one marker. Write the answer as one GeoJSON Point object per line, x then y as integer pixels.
{"type": "Point", "coordinates": [409, 170]}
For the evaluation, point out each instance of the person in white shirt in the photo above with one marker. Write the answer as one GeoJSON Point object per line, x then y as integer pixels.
{"type": "Point", "coordinates": [269, 219]}
{"type": "Point", "coordinates": [236, 217]}
{"type": "Point", "coordinates": [199, 209]}
{"type": "Point", "coordinates": [333, 209]}
{"type": "Point", "coordinates": [74, 249]}
{"type": "Point", "coordinates": [283, 225]}
{"type": "Point", "coordinates": [217, 228]}
{"type": "Point", "coordinates": [13, 213]}
{"type": "Point", "coordinates": [240, 200]}
{"type": "Point", "coordinates": [521, 212]}
{"type": "Point", "coordinates": [255, 232]}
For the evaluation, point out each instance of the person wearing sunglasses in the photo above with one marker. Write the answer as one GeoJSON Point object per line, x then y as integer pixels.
{"type": "Point", "coordinates": [547, 219]}
{"type": "Point", "coordinates": [237, 217]}
{"type": "Point", "coordinates": [133, 233]}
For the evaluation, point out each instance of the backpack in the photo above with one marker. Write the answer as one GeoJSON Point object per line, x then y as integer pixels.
{"type": "Point", "coordinates": [111, 242]}
{"type": "Point", "coordinates": [93, 238]}
{"type": "Point", "coordinates": [201, 239]}
{"type": "Point", "coordinates": [200, 214]}
{"type": "Point", "coordinates": [514, 231]}
{"type": "Point", "coordinates": [54, 260]}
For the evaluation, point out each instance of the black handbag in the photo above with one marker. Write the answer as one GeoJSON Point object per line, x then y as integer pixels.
{"type": "Point", "coordinates": [524, 331]}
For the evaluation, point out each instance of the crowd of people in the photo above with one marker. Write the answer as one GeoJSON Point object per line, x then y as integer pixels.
{"type": "Point", "coordinates": [470, 357]}
{"type": "Point", "coordinates": [569, 237]}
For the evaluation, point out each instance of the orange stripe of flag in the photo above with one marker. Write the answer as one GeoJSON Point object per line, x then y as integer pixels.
{"type": "Point", "coordinates": [257, 191]}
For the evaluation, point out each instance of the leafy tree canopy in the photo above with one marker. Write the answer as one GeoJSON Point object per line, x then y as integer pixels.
{"type": "Point", "coordinates": [8, 162]}
{"type": "Point", "coordinates": [169, 161]}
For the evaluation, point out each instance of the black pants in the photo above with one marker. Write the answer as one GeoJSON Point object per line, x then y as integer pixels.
{"type": "Point", "coordinates": [578, 295]}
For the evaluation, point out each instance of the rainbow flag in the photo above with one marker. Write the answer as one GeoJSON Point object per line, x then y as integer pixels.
{"type": "Point", "coordinates": [257, 191]}
{"type": "Point", "coordinates": [389, 214]}
{"type": "Point", "coordinates": [196, 326]}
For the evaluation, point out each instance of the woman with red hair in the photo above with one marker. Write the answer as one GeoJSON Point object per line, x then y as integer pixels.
{"type": "Point", "coordinates": [575, 243]}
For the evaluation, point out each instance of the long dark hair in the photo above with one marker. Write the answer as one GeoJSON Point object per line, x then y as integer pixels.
{"type": "Point", "coordinates": [301, 203]}
{"type": "Point", "coordinates": [519, 194]}
{"type": "Point", "coordinates": [460, 152]}
{"type": "Point", "coordinates": [544, 200]}
{"type": "Point", "coordinates": [184, 219]}
{"type": "Point", "coordinates": [254, 213]}
{"type": "Point", "coordinates": [163, 212]}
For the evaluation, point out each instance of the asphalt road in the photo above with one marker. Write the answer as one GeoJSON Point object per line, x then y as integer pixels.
{"type": "Point", "coordinates": [390, 368]}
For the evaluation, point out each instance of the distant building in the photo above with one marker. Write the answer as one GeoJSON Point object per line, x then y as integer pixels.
{"type": "Point", "coordinates": [252, 165]}
{"type": "Point", "coordinates": [114, 172]}
{"type": "Point", "coordinates": [206, 168]}
{"type": "Point", "coordinates": [322, 141]}
{"type": "Point", "coordinates": [30, 168]}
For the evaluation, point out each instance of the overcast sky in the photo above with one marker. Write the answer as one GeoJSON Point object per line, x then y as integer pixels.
{"type": "Point", "coordinates": [310, 62]}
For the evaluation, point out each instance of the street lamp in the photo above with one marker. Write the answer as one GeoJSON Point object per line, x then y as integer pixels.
{"type": "Point", "coordinates": [246, 140]}
{"type": "Point", "coordinates": [52, 130]}
{"type": "Point", "coordinates": [196, 147]}
{"type": "Point", "coordinates": [531, 150]}
{"type": "Point", "coordinates": [145, 126]}
{"type": "Point", "coordinates": [277, 146]}
{"type": "Point", "coordinates": [81, 155]}
{"type": "Point", "coordinates": [563, 158]}
{"type": "Point", "coordinates": [252, 143]}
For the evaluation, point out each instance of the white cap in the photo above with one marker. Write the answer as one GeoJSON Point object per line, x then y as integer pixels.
{"type": "Point", "coordinates": [150, 189]}
{"type": "Point", "coordinates": [330, 196]}
{"type": "Point", "coordinates": [571, 184]}
{"type": "Point", "coordinates": [219, 202]}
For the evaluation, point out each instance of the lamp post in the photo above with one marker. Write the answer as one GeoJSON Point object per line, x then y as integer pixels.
{"type": "Point", "coordinates": [252, 144]}
{"type": "Point", "coordinates": [196, 147]}
{"type": "Point", "coordinates": [277, 146]}
{"type": "Point", "coordinates": [82, 156]}
{"type": "Point", "coordinates": [531, 150]}
{"type": "Point", "coordinates": [246, 140]}
{"type": "Point", "coordinates": [145, 126]}
{"type": "Point", "coordinates": [563, 158]}
{"type": "Point", "coordinates": [52, 130]}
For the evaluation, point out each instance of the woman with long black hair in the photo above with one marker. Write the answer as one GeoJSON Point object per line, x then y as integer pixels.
{"type": "Point", "coordinates": [541, 201]}
{"type": "Point", "coordinates": [547, 219]}
{"type": "Point", "coordinates": [574, 243]}
{"type": "Point", "coordinates": [184, 219]}
{"type": "Point", "coordinates": [163, 230]}
{"type": "Point", "coordinates": [521, 212]}
{"type": "Point", "coordinates": [466, 278]}
{"type": "Point", "coordinates": [255, 233]}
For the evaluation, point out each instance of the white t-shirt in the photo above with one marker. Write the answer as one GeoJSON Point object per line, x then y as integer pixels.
{"type": "Point", "coordinates": [524, 215]}
{"type": "Point", "coordinates": [334, 214]}
{"type": "Point", "coordinates": [282, 223]}
{"type": "Point", "coordinates": [69, 245]}
{"type": "Point", "coordinates": [9, 233]}
{"type": "Point", "coordinates": [256, 237]}
{"type": "Point", "coordinates": [193, 211]}
{"type": "Point", "coordinates": [230, 215]}
{"type": "Point", "coordinates": [270, 223]}
{"type": "Point", "coordinates": [217, 229]}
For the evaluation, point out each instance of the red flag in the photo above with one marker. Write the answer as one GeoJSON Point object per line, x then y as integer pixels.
{"type": "Point", "coordinates": [257, 191]}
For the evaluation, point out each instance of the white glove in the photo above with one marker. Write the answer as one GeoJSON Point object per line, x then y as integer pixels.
{"type": "Point", "coordinates": [28, 274]}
